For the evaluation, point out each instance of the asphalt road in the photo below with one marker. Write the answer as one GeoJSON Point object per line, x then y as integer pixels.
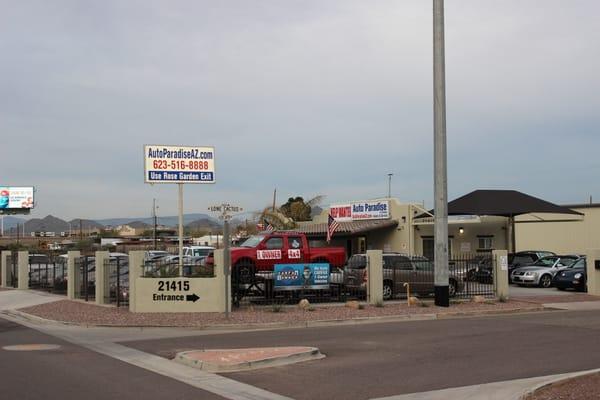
{"type": "Point", "coordinates": [73, 372]}
{"type": "Point", "coordinates": [376, 360]}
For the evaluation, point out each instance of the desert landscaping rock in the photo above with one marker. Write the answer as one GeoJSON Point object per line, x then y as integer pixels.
{"type": "Point", "coordinates": [79, 312]}
{"type": "Point", "coordinates": [581, 388]}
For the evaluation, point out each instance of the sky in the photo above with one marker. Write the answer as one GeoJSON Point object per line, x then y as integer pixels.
{"type": "Point", "coordinates": [320, 97]}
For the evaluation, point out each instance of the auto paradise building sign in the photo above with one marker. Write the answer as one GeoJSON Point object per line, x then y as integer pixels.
{"type": "Point", "coordinates": [13, 197]}
{"type": "Point", "coordinates": [179, 164]}
{"type": "Point", "coordinates": [363, 210]}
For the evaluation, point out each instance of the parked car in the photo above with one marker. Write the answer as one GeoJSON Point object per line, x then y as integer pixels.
{"type": "Point", "coordinates": [398, 269]}
{"type": "Point", "coordinates": [197, 251]}
{"type": "Point", "coordinates": [480, 269]}
{"type": "Point", "coordinates": [541, 272]}
{"type": "Point", "coordinates": [574, 277]}
{"type": "Point", "coordinates": [525, 258]}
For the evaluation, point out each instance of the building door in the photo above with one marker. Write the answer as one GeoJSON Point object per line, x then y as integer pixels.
{"type": "Point", "coordinates": [429, 247]}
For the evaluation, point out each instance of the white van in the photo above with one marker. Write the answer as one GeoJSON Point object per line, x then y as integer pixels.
{"type": "Point", "coordinates": [197, 251]}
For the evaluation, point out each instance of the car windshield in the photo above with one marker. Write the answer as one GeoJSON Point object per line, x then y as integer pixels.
{"type": "Point", "coordinates": [201, 252]}
{"type": "Point", "coordinates": [253, 241]}
{"type": "Point", "coordinates": [545, 262]}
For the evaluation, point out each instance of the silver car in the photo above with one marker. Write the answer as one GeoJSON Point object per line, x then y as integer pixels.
{"type": "Point", "coordinates": [541, 272]}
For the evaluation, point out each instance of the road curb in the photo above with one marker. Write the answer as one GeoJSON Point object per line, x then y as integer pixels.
{"type": "Point", "coordinates": [283, 325]}
{"type": "Point", "coordinates": [311, 353]}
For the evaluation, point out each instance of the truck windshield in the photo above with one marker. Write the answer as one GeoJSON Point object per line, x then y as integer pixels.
{"type": "Point", "coordinates": [253, 241]}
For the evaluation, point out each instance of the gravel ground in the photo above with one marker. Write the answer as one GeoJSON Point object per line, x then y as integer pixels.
{"type": "Point", "coordinates": [569, 298]}
{"type": "Point", "coordinates": [80, 312]}
{"type": "Point", "coordinates": [581, 388]}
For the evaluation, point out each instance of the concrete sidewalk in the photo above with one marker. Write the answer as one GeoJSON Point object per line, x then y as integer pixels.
{"type": "Point", "coordinates": [14, 299]}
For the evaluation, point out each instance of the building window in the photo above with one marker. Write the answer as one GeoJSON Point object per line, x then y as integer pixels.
{"type": "Point", "coordinates": [485, 242]}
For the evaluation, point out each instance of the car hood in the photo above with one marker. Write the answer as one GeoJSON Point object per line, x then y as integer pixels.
{"type": "Point", "coordinates": [532, 269]}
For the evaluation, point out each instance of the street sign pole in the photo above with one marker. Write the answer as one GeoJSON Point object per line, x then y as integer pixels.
{"type": "Point", "coordinates": [226, 209]}
{"type": "Point", "coordinates": [180, 201]}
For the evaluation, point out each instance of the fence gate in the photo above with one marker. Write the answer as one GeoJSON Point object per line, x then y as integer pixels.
{"type": "Point", "coordinates": [117, 271]}
{"type": "Point", "coordinates": [86, 270]}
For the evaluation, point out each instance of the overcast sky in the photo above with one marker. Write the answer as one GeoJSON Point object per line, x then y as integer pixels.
{"type": "Point", "coordinates": [311, 97]}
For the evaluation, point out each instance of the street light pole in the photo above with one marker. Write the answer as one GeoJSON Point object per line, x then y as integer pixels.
{"type": "Point", "coordinates": [390, 185]}
{"type": "Point", "coordinates": [440, 189]}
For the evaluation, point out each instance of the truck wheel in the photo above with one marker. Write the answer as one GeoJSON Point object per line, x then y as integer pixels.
{"type": "Point", "coordinates": [244, 272]}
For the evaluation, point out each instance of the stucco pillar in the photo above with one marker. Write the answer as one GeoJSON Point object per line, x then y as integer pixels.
{"type": "Point", "coordinates": [593, 274]}
{"type": "Point", "coordinates": [500, 265]}
{"type": "Point", "coordinates": [102, 278]}
{"type": "Point", "coordinates": [6, 269]}
{"type": "Point", "coordinates": [23, 269]}
{"type": "Point", "coordinates": [222, 280]}
{"type": "Point", "coordinates": [136, 270]}
{"type": "Point", "coordinates": [374, 276]}
{"type": "Point", "coordinates": [72, 274]}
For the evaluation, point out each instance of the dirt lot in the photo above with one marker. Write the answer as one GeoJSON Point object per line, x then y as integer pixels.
{"type": "Point", "coordinates": [85, 313]}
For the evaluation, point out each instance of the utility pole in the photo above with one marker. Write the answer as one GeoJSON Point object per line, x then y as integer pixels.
{"type": "Point", "coordinates": [440, 189]}
{"type": "Point", "coordinates": [390, 185]}
{"type": "Point", "coordinates": [274, 198]}
{"type": "Point", "coordinates": [180, 204]}
{"type": "Point", "coordinates": [226, 209]}
{"type": "Point", "coordinates": [155, 223]}
{"type": "Point", "coordinates": [80, 230]}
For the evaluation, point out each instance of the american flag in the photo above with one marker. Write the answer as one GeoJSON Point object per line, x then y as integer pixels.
{"type": "Point", "coordinates": [270, 228]}
{"type": "Point", "coordinates": [332, 226]}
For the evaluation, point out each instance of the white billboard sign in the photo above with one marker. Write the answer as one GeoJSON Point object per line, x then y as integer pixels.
{"type": "Point", "coordinates": [363, 210]}
{"type": "Point", "coordinates": [13, 197]}
{"type": "Point", "coordinates": [179, 164]}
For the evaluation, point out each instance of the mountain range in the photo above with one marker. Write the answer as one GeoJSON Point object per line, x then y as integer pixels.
{"type": "Point", "coordinates": [51, 223]}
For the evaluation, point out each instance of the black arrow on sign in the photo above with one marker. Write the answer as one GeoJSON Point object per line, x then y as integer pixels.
{"type": "Point", "coordinates": [192, 297]}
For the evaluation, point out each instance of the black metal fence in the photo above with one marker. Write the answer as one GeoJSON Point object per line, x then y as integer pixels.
{"type": "Point", "coordinates": [403, 275]}
{"type": "Point", "coordinates": [48, 272]}
{"type": "Point", "coordinates": [169, 268]}
{"type": "Point", "coordinates": [117, 272]}
{"type": "Point", "coordinates": [85, 268]}
{"type": "Point", "coordinates": [14, 267]}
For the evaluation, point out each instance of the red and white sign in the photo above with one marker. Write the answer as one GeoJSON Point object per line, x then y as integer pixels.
{"type": "Point", "coordinates": [341, 212]}
{"type": "Point", "coordinates": [294, 254]}
{"type": "Point", "coordinates": [268, 254]}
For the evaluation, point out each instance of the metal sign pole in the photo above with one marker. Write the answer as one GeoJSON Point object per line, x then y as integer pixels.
{"type": "Point", "coordinates": [180, 228]}
{"type": "Point", "coordinates": [227, 261]}
{"type": "Point", "coordinates": [226, 209]}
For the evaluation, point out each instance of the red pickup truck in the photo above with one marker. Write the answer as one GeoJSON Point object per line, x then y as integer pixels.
{"type": "Point", "coordinates": [261, 252]}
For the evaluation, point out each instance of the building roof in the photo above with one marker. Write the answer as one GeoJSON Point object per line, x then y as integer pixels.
{"type": "Point", "coordinates": [348, 227]}
{"type": "Point", "coordinates": [503, 203]}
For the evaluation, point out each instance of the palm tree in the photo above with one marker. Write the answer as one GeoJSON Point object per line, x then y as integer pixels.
{"type": "Point", "coordinates": [286, 216]}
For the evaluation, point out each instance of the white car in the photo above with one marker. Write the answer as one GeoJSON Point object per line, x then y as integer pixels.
{"type": "Point", "coordinates": [541, 272]}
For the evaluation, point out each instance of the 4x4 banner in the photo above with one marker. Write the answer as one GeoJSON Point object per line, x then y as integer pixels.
{"type": "Point", "coordinates": [301, 276]}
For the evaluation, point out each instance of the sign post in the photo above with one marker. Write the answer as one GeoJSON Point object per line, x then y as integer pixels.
{"type": "Point", "coordinates": [179, 164]}
{"type": "Point", "coordinates": [226, 209]}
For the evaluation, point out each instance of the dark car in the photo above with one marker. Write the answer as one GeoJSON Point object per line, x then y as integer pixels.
{"type": "Point", "coordinates": [480, 269]}
{"type": "Point", "coordinates": [524, 258]}
{"type": "Point", "coordinates": [574, 277]}
{"type": "Point", "coordinates": [398, 269]}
